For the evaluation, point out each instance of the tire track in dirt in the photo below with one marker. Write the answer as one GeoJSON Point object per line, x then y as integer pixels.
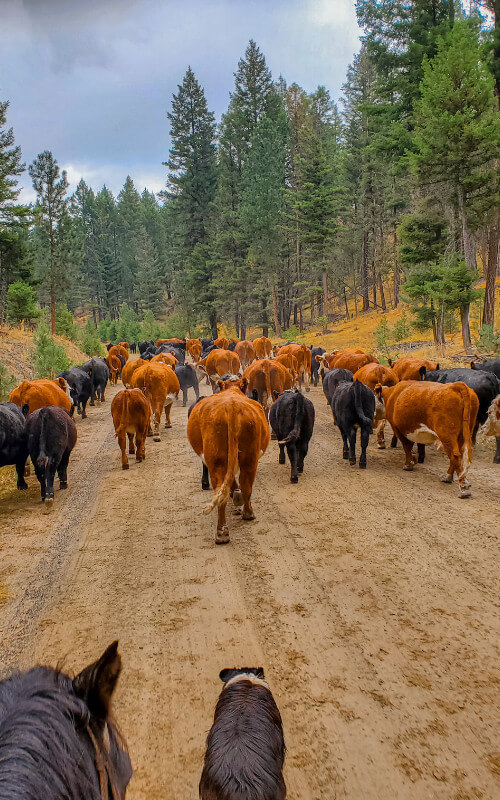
{"type": "Point", "coordinates": [368, 596]}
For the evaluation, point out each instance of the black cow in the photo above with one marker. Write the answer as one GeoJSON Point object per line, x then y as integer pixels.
{"type": "Point", "coordinates": [143, 346]}
{"type": "Point", "coordinates": [80, 387]}
{"type": "Point", "coordinates": [51, 436]}
{"type": "Point", "coordinates": [132, 346]}
{"type": "Point", "coordinates": [353, 406]}
{"type": "Point", "coordinates": [206, 343]}
{"type": "Point", "coordinates": [292, 420]}
{"type": "Point", "coordinates": [485, 384]}
{"type": "Point", "coordinates": [492, 365]}
{"type": "Point", "coordinates": [178, 352]}
{"type": "Point", "coordinates": [98, 370]}
{"type": "Point", "coordinates": [109, 346]}
{"type": "Point", "coordinates": [187, 378]}
{"type": "Point", "coordinates": [315, 351]}
{"type": "Point", "coordinates": [332, 379]}
{"type": "Point", "coordinates": [231, 346]}
{"type": "Point", "coordinates": [13, 445]}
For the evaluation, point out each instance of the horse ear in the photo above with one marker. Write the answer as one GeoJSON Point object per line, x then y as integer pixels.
{"type": "Point", "coordinates": [96, 683]}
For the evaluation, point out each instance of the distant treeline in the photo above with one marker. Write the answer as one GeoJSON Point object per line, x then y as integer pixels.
{"type": "Point", "coordinates": [291, 199]}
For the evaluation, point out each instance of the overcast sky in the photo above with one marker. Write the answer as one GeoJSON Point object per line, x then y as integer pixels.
{"type": "Point", "coordinates": [92, 80]}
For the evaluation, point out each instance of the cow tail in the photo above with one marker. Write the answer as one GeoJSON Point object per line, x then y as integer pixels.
{"type": "Point", "coordinates": [42, 455]}
{"type": "Point", "coordinates": [358, 405]}
{"type": "Point", "coordinates": [297, 423]}
{"type": "Point", "coordinates": [122, 427]}
{"type": "Point", "coordinates": [224, 490]}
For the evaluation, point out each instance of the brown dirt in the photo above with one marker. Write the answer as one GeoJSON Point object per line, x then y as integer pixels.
{"type": "Point", "coordinates": [369, 597]}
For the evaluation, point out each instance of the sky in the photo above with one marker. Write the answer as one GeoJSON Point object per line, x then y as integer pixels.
{"type": "Point", "coordinates": [92, 80]}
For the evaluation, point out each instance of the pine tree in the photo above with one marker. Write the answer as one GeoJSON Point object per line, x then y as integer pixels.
{"type": "Point", "coordinates": [129, 227]}
{"type": "Point", "coordinates": [50, 186]}
{"type": "Point", "coordinates": [149, 280]}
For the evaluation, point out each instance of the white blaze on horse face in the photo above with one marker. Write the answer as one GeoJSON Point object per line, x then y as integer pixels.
{"type": "Point", "coordinates": [422, 435]}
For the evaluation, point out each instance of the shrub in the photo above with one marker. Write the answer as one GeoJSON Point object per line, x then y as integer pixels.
{"type": "Point", "coordinates": [489, 341]}
{"type": "Point", "coordinates": [149, 328]}
{"type": "Point", "coordinates": [7, 383]}
{"type": "Point", "coordinates": [128, 328]}
{"type": "Point", "coordinates": [89, 339]}
{"type": "Point", "coordinates": [402, 328]}
{"type": "Point", "coordinates": [103, 329]}
{"type": "Point", "coordinates": [382, 336]}
{"type": "Point", "coordinates": [49, 358]}
{"type": "Point", "coordinates": [291, 334]}
{"type": "Point", "coordinates": [65, 322]}
{"type": "Point", "coordinates": [21, 303]}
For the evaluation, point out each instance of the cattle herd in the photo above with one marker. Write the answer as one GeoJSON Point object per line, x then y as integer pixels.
{"type": "Point", "coordinates": [57, 732]}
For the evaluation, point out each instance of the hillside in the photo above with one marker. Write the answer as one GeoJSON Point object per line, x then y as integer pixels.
{"type": "Point", "coordinates": [17, 345]}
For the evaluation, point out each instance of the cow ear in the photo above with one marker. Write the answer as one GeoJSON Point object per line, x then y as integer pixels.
{"type": "Point", "coordinates": [244, 384]}
{"type": "Point", "coordinates": [390, 362]}
{"type": "Point", "coordinates": [62, 383]}
{"type": "Point", "coordinates": [220, 384]}
{"type": "Point", "coordinates": [96, 683]}
{"type": "Point", "coordinates": [437, 366]}
{"type": "Point", "coordinates": [318, 358]}
{"type": "Point", "coordinates": [378, 391]}
{"type": "Point", "coordinates": [422, 372]}
{"type": "Point", "coordinates": [26, 409]}
{"type": "Point", "coordinates": [276, 394]}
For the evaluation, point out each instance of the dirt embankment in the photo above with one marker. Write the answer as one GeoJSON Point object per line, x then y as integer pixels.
{"type": "Point", "coordinates": [369, 597]}
{"type": "Point", "coordinates": [16, 347]}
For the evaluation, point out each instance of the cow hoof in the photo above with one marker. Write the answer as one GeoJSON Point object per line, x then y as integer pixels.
{"type": "Point", "coordinates": [91, 403]}
{"type": "Point", "coordinates": [125, 466]}
{"type": "Point", "coordinates": [464, 492]}
{"type": "Point", "coordinates": [205, 486]}
{"type": "Point", "coordinates": [248, 516]}
{"type": "Point", "coordinates": [149, 434]}
{"type": "Point", "coordinates": [237, 498]}
{"type": "Point", "coordinates": [156, 439]}
{"type": "Point", "coordinates": [273, 436]}
{"type": "Point", "coordinates": [282, 459]}
{"type": "Point", "coordinates": [362, 464]}
{"type": "Point", "coordinates": [22, 486]}
{"type": "Point", "coordinates": [300, 469]}
{"type": "Point", "coordinates": [168, 425]}
{"type": "Point", "coordinates": [381, 445]}
{"type": "Point", "coordinates": [408, 467]}
{"type": "Point", "coordinates": [222, 535]}
{"type": "Point", "coordinates": [48, 505]}
{"type": "Point", "coordinates": [138, 459]}
{"type": "Point", "coordinates": [63, 484]}
{"type": "Point", "coordinates": [421, 460]}
{"type": "Point", "coordinates": [294, 479]}
{"type": "Point", "coordinates": [345, 455]}
{"type": "Point", "coordinates": [352, 462]}
{"type": "Point", "coordinates": [447, 478]}
{"type": "Point", "coordinates": [308, 389]}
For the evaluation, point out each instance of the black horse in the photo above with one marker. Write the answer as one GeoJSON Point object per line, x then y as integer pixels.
{"type": "Point", "coordinates": [57, 740]}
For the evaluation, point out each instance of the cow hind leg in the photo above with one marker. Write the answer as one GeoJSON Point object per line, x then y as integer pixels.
{"type": "Point", "coordinates": [394, 440]}
{"type": "Point", "coordinates": [50, 472]}
{"type": "Point", "coordinates": [184, 397]}
{"type": "Point", "coordinates": [205, 480]}
{"type": "Point", "coordinates": [421, 453]}
{"type": "Point", "coordinates": [292, 455]}
{"type": "Point", "coordinates": [302, 448]}
{"type": "Point", "coordinates": [131, 448]}
{"type": "Point", "coordinates": [62, 470]}
{"type": "Point", "coordinates": [156, 427]}
{"type": "Point", "coordinates": [21, 483]}
{"type": "Point", "coordinates": [352, 447]}
{"type": "Point", "coordinates": [140, 441]}
{"type": "Point", "coordinates": [380, 435]}
{"type": "Point", "coordinates": [282, 457]}
{"type": "Point", "coordinates": [459, 463]}
{"type": "Point", "coordinates": [247, 477]}
{"type": "Point", "coordinates": [122, 444]}
{"type": "Point", "coordinates": [168, 409]}
{"type": "Point", "coordinates": [408, 448]}
{"type": "Point", "coordinates": [365, 438]}
{"type": "Point", "coordinates": [222, 535]}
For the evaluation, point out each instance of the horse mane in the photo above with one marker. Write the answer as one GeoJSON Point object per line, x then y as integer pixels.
{"type": "Point", "coordinates": [44, 752]}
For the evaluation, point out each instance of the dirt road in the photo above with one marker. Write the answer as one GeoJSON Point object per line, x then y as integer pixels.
{"type": "Point", "coordinates": [369, 597]}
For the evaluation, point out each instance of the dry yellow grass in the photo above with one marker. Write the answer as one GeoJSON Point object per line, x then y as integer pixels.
{"type": "Point", "coordinates": [15, 351]}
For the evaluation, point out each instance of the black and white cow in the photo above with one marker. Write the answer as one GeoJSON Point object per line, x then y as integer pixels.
{"type": "Point", "coordinates": [315, 351]}
{"type": "Point", "coordinates": [51, 436]}
{"type": "Point", "coordinates": [13, 444]}
{"type": "Point", "coordinates": [353, 406]}
{"type": "Point", "coordinates": [292, 419]}
{"type": "Point", "coordinates": [245, 747]}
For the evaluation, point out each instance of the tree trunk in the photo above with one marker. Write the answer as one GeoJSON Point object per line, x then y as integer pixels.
{"type": "Point", "coordinates": [374, 273]}
{"type": "Point", "coordinates": [275, 309]}
{"type": "Point", "coordinates": [325, 292]}
{"type": "Point", "coordinates": [364, 273]}
{"type": "Point", "coordinates": [465, 322]}
{"type": "Point", "coordinates": [346, 306]}
{"type": "Point", "coordinates": [381, 290]}
{"type": "Point", "coordinates": [491, 270]}
{"type": "Point", "coordinates": [213, 323]}
{"type": "Point", "coordinates": [295, 318]}
{"type": "Point", "coordinates": [243, 331]}
{"type": "Point", "coordinates": [301, 319]}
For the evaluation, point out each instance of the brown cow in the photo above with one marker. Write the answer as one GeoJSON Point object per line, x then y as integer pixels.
{"type": "Point", "coordinates": [219, 363]}
{"type": "Point", "coordinates": [230, 433]}
{"type": "Point", "coordinates": [194, 348]}
{"type": "Point", "coordinates": [353, 361]}
{"type": "Point", "coordinates": [427, 413]}
{"type": "Point", "coordinates": [245, 352]}
{"type": "Point", "coordinates": [371, 375]}
{"type": "Point", "coordinates": [265, 377]}
{"type": "Point", "coordinates": [290, 362]}
{"type": "Point", "coordinates": [125, 345]}
{"type": "Point", "coordinates": [129, 369]}
{"type": "Point", "coordinates": [118, 350]}
{"type": "Point", "coordinates": [263, 347]}
{"type": "Point", "coordinates": [303, 356]}
{"type": "Point", "coordinates": [412, 368]}
{"type": "Point", "coordinates": [115, 368]}
{"type": "Point", "coordinates": [169, 341]}
{"type": "Point", "coordinates": [222, 342]}
{"type": "Point", "coordinates": [161, 386]}
{"type": "Point", "coordinates": [165, 358]}
{"type": "Point", "coordinates": [131, 414]}
{"type": "Point", "coordinates": [492, 425]}
{"type": "Point", "coordinates": [41, 393]}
